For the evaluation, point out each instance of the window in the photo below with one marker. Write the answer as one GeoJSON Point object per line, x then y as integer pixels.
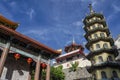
{"type": "Point", "coordinates": [67, 65]}
{"type": "Point", "coordinates": [93, 61]}
{"type": "Point", "coordinates": [102, 34]}
{"type": "Point", "coordinates": [94, 76]}
{"type": "Point", "coordinates": [115, 74]}
{"type": "Point", "coordinates": [70, 58]}
{"type": "Point", "coordinates": [100, 59]}
{"type": "Point", "coordinates": [109, 58]}
{"type": "Point", "coordinates": [95, 36]}
{"type": "Point", "coordinates": [105, 45]}
{"type": "Point", "coordinates": [103, 75]}
{"type": "Point", "coordinates": [97, 46]}
{"type": "Point", "coordinates": [93, 27]}
{"type": "Point", "coordinates": [99, 25]}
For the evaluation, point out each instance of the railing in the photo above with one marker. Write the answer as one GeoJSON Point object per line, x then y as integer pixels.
{"type": "Point", "coordinates": [99, 38]}
{"type": "Point", "coordinates": [97, 28]}
{"type": "Point", "coordinates": [96, 20]}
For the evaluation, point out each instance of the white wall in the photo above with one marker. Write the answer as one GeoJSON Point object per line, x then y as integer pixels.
{"type": "Point", "coordinates": [83, 62]}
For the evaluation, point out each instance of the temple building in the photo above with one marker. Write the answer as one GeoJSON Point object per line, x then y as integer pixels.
{"type": "Point", "coordinates": [117, 43]}
{"type": "Point", "coordinates": [101, 46]}
{"type": "Point", "coordinates": [74, 56]}
{"type": "Point", "coordinates": [21, 55]}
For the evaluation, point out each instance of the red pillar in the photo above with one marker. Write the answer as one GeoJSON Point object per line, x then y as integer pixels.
{"type": "Point", "coordinates": [48, 71]}
{"type": "Point", "coordinates": [3, 56]}
{"type": "Point", "coordinates": [37, 69]}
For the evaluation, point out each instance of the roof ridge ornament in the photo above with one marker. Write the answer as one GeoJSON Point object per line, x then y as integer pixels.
{"type": "Point", "coordinates": [73, 41]}
{"type": "Point", "coordinates": [91, 9]}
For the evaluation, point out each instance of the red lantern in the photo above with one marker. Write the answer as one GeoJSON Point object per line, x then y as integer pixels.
{"type": "Point", "coordinates": [43, 65]}
{"type": "Point", "coordinates": [17, 56]}
{"type": "Point", "coordinates": [29, 60]}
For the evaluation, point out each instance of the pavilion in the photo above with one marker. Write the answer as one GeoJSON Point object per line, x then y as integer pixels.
{"type": "Point", "coordinates": [18, 53]}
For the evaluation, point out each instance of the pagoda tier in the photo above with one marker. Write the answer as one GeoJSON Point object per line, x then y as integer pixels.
{"type": "Point", "coordinates": [92, 15]}
{"type": "Point", "coordinates": [102, 50]}
{"type": "Point", "coordinates": [8, 23]}
{"type": "Point", "coordinates": [91, 31]}
{"type": "Point", "coordinates": [99, 21]}
{"type": "Point", "coordinates": [92, 41]}
{"type": "Point", "coordinates": [102, 65]}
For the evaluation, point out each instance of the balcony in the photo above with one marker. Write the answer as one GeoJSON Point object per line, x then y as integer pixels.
{"type": "Point", "coordinates": [111, 64]}
{"type": "Point", "coordinates": [91, 41]}
{"type": "Point", "coordinates": [99, 15]}
{"type": "Point", "coordinates": [89, 23]}
{"type": "Point", "coordinates": [111, 50]}
{"type": "Point", "coordinates": [90, 31]}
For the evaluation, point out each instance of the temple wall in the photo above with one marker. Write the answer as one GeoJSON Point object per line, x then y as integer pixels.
{"type": "Point", "coordinates": [83, 62]}
{"type": "Point", "coordinates": [15, 69]}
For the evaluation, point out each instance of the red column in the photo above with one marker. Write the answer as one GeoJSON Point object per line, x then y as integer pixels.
{"type": "Point", "coordinates": [48, 71]}
{"type": "Point", "coordinates": [3, 56]}
{"type": "Point", "coordinates": [37, 69]}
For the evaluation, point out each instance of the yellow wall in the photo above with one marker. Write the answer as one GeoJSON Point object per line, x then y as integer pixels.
{"type": "Point", "coordinates": [108, 72]}
{"type": "Point", "coordinates": [98, 33]}
{"type": "Point", "coordinates": [104, 56]}
{"type": "Point", "coordinates": [101, 44]}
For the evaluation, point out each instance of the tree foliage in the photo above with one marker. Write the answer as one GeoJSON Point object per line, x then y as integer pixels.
{"type": "Point", "coordinates": [55, 73]}
{"type": "Point", "coordinates": [74, 66]}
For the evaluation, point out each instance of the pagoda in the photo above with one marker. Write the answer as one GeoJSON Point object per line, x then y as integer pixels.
{"type": "Point", "coordinates": [101, 46]}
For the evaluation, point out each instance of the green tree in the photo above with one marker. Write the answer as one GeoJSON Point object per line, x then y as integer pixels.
{"type": "Point", "coordinates": [74, 66]}
{"type": "Point", "coordinates": [55, 73]}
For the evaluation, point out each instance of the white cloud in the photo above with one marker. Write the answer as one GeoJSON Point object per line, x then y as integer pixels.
{"type": "Point", "coordinates": [116, 8]}
{"type": "Point", "coordinates": [13, 4]}
{"type": "Point", "coordinates": [36, 32]}
{"type": "Point", "coordinates": [113, 14]}
{"type": "Point", "coordinates": [77, 23]}
{"type": "Point", "coordinates": [30, 13]}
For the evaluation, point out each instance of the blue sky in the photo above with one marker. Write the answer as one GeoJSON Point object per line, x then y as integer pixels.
{"type": "Point", "coordinates": [55, 22]}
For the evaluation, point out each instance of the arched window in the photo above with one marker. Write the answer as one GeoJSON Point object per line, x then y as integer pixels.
{"type": "Point", "coordinates": [99, 25]}
{"type": "Point", "coordinates": [114, 74]}
{"type": "Point", "coordinates": [94, 76]}
{"type": "Point", "coordinates": [109, 58]}
{"type": "Point", "coordinates": [100, 59]}
{"type": "Point", "coordinates": [102, 34]}
{"type": "Point", "coordinates": [105, 45]}
{"type": "Point", "coordinates": [103, 75]}
{"type": "Point", "coordinates": [93, 61]}
{"type": "Point", "coordinates": [93, 27]}
{"type": "Point", "coordinates": [97, 46]}
{"type": "Point", "coordinates": [95, 36]}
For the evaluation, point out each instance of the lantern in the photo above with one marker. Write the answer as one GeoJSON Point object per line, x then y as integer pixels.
{"type": "Point", "coordinates": [29, 60]}
{"type": "Point", "coordinates": [43, 65]}
{"type": "Point", "coordinates": [17, 56]}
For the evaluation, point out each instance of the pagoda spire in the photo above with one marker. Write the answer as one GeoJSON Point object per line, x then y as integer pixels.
{"type": "Point", "coordinates": [91, 9]}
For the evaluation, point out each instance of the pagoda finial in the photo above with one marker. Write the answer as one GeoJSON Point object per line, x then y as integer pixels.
{"type": "Point", "coordinates": [91, 9]}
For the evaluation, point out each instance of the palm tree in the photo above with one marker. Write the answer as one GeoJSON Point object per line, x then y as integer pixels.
{"type": "Point", "coordinates": [74, 66]}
